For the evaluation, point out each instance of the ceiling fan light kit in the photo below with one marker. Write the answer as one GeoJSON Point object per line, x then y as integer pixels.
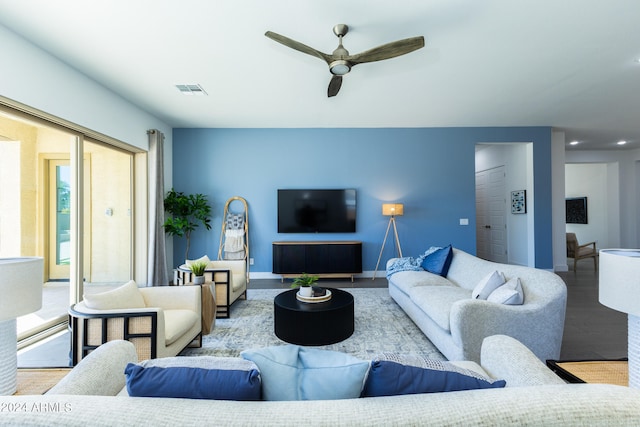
{"type": "Point", "coordinates": [339, 67]}
{"type": "Point", "coordinates": [340, 62]}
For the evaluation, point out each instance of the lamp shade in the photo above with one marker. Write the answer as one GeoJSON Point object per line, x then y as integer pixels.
{"type": "Point", "coordinates": [619, 280]}
{"type": "Point", "coordinates": [21, 281]}
{"type": "Point", "coordinates": [392, 209]}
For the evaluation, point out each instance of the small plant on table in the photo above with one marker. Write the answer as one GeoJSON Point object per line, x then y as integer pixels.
{"type": "Point", "coordinates": [304, 282]}
{"type": "Point", "coordinates": [198, 268]}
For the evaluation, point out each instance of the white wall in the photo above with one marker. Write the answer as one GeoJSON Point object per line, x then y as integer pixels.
{"type": "Point", "coordinates": [589, 180]}
{"type": "Point", "coordinates": [622, 191]}
{"type": "Point", "coordinates": [35, 78]}
{"type": "Point", "coordinates": [558, 201]}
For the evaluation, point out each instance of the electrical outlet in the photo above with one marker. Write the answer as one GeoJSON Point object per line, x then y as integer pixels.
{"type": "Point", "coordinates": [250, 261]}
{"type": "Point", "coordinates": [464, 221]}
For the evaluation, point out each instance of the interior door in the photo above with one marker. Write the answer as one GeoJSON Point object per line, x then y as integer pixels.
{"type": "Point", "coordinates": [491, 205]}
{"type": "Point", "coordinates": [482, 216]}
{"type": "Point", "coordinates": [59, 211]}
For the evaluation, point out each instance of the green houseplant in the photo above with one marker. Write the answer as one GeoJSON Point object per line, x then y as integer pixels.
{"type": "Point", "coordinates": [187, 212]}
{"type": "Point", "coordinates": [304, 282]}
{"type": "Point", "coordinates": [198, 268]}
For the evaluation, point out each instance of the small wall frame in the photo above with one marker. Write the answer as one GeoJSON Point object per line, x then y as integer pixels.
{"type": "Point", "coordinates": [519, 202]}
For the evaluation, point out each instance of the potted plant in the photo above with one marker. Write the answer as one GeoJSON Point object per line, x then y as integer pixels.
{"type": "Point", "coordinates": [305, 283]}
{"type": "Point", "coordinates": [187, 212]}
{"type": "Point", "coordinates": [198, 268]}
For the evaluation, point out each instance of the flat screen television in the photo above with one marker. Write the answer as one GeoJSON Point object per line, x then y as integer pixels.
{"type": "Point", "coordinates": [317, 211]}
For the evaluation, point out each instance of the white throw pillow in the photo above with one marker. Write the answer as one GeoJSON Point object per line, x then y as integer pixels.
{"type": "Point", "coordinates": [126, 296]}
{"type": "Point", "coordinates": [487, 285]}
{"type": "Point", "coordinates": [203, 258]}
{"type": "Point", "coordinates": [510, 293]}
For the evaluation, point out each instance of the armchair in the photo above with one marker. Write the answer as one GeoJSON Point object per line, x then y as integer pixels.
{"type": "Point", "coordinates": [159, 321]}
{"type": "Point", "coordinates": [229, 278]}
{"type": "Point", "coordinates": [577, 251]}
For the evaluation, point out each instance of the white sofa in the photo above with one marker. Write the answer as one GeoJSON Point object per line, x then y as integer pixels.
{"type": "Point", "coordinates": [456, 323]}
{"type": "Point", "coordinates": [533, 396]}
{"type": "Point", "coordinates": [161, 321]}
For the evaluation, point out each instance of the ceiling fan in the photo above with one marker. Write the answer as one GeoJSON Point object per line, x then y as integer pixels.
{"type": "Point", "coordinates": [340, 62]}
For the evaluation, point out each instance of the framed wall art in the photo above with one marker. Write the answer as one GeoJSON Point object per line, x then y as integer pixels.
{"type": "Point", "coordinates": [519, 202]}
{"type": "Point", "coordinates": [577, 210]}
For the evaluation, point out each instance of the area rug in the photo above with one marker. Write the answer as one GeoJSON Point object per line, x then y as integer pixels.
{"type": "Point", "coordinates": [380, 326]}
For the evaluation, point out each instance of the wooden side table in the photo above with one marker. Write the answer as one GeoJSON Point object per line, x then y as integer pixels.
{"type": "Point", "coordinates": [208, 308]}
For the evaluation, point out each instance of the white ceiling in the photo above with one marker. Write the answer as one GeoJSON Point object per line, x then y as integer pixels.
{"type": "Point", "coordinates": [570, 64]}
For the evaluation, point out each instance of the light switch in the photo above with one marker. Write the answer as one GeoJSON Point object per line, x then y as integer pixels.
{"type": "Point", "coordinates": [464, 221]}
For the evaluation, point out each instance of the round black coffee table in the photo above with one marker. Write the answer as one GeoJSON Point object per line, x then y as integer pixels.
{"type": "Point", "coordinates": [320, 323]}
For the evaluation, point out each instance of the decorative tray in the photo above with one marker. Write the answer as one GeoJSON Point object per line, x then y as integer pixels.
{"type": "Point", "coordinates": [323, 298]}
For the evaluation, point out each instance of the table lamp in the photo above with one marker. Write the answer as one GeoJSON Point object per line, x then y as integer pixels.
{"type": "Point", "coordinates": [21, 281]}
{"type": "Point", "coordinates": [619, 282]}
{"type": "Point", "coordinates": [391, 210]}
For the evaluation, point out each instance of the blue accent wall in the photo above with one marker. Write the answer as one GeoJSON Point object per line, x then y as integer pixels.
{"type": "Point", "coordinates": [430, 170]}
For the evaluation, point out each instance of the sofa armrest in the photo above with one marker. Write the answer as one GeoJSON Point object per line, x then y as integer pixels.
{"type": "Point", "coordinates": [539, 327]}
{"type": "Point", "coordinates": [173, 297]}
{"type": "Point", "coordinates": [390, 261]}
{"type": "Point", "coordinates": [506, 358]}
{"type": "Point", "coordinates": [93, 328]}
{"type": "Point", "coordinates": [101, 372]}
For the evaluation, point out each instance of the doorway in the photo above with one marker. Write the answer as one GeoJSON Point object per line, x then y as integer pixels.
{"type": "Point", "coordinates": [503, 235]}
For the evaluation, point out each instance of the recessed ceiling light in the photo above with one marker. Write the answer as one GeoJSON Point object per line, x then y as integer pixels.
{"type": "Point", "coordinates": [621, 142]}
{"type": "Point", "coordinates": [191, 89]}
{"type": "Point", "coordinates": [574, 143]}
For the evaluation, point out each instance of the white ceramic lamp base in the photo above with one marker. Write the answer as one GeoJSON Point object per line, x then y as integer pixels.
{"type": "Point", "coordinates": [634, 351]}
{"type": "Point", "coordinates": [8, 357]}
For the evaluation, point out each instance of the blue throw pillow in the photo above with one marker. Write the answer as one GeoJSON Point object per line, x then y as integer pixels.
{"type": "Point", "coordinates": [291, 372]}
{"type": "Point", "coordinates": [438, 262]}
{"type": "Point", "coordinates": [392, 374]}
{"type": "Point", "coordinates": [202, 377]}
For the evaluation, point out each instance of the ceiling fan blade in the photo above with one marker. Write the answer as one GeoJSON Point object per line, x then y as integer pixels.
{"type": "Point", "coordinates": [298, 46]}
{"type": "Point", "coordinates": [334, 86]}
{"type": "Point", "coordinates": [389, 50]}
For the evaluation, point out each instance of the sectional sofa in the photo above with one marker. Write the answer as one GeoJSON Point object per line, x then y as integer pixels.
{"type": "Point", "coordinates": [448, 312]}
{"type": "Point", "coordinates": [533, 396]}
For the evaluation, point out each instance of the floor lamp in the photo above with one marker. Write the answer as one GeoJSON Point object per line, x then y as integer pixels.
{"type": "Point", "coordinates": [21, 281]}
{"type": "Point", "coordinates": [619, 283]}
{"type": "Point", "coordinates": [392, 210]}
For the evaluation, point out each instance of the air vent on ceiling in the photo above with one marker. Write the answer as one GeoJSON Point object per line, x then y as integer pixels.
{"type": "Point", "coordinates": [191, 89]}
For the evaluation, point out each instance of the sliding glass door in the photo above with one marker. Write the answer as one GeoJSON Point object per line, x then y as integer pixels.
{"type": "Point", "coordinates": [70, 200]}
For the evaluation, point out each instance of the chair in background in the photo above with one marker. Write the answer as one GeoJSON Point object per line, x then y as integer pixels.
{"type": "Point", "coordinates": [577, 251]}
{"type": "Point", "coordinates": [228, 277]}
{"type": "Point", "coordinates": [229, 274]}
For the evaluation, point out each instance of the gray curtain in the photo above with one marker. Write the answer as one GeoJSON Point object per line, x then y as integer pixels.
{"type": "Point", "coordinates": [157, 271]}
